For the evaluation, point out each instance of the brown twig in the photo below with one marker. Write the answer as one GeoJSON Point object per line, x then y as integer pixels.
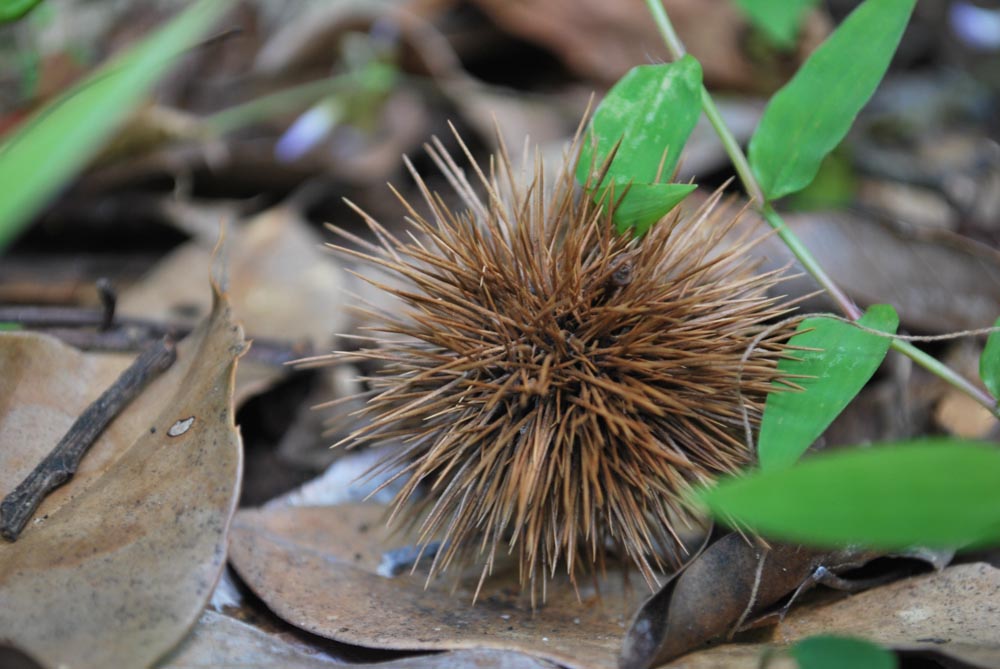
{"type": "Point", "coordinates": [60, 465]}
{"type": "Point", "coordinates": [125, 334]}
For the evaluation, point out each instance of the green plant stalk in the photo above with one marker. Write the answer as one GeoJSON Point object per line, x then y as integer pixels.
{"type": "Point", "coordinates": [794, 244]}
{"type": "Point", "coordinates": [267, 106]}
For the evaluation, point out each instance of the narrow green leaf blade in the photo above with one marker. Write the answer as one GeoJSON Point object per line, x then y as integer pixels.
{"type": "Point", "coordinates": [936, 492]}
{"type": "Point", "coordinates": [778, 19]}
{"type": "Point", "coordinates": [837, 652]}
{"type": "Point", "coordinates": [11, 10]}
{"type": "Point", "coordinates": [989, 363]}
{"type": "Point", "coordinates": [645, 204]}
{"type": "Point", "coordinates": [651, 109]}
{"type": "Point", "coordinates": [847, 358]}
{"type": "Point", "coordinates": [807, 118]}
{"type": "Point", "coordinates": [59, 139]}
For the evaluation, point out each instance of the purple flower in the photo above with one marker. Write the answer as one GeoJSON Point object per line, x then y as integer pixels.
{"type": "Point", "coordinates": [977, 27]}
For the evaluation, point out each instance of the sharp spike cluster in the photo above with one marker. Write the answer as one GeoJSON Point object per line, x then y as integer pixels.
{"type": "Point", "coordinates": [557, 387]}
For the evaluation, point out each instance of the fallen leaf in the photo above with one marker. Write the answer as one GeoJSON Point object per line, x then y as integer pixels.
{"type": "Point", "coordinates": [874, 263]}
{"type": "Point", "coordinates": [953, 613]}
{"type": "Point", "coordinates": [282, 286]}
{"type": "Point", "coordinates": [221, 641]}
{"type": "Point", "coordinates": [718, 591]}
{"type": "Point", "coordinates": [119, 563]}
{"type": "Point", "coordinates": [602, 40]}
{"type": "Point", "coordinates": [316, 567]}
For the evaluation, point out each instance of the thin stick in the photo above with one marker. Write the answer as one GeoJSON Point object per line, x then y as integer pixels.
{"type": "Point", "coordinates": [126, 334]}
{"type": "Point", "coordinates": [791, 240]}
{"type": "Point", "coordinates": [60, 465]}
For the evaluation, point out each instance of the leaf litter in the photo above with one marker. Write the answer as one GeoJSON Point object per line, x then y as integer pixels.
{"type": "Point", "coordinates": [120, 562]}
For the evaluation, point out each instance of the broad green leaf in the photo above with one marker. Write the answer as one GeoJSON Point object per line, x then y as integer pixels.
{"type": "Point", "coordinates": [836, 652]}
{"type": "Point", "coordinates": [652, 109]}
{"type": "Point", "coordinates": [645, 204]}
{"type": "Point", "coordinates": [844, 362]}
{"type": "Point", "coordinates": [778, 19]}
{"type": "Point", "coordinates": [989, 363]}
{"type": "Point", "coordinates": [936, 492]}
{"type": "Point", "coordinates": [809, 116]}
{"type": "Point", "coordinates": [59, 139]}
{"type": "Point", "coordinates": [11, 10]}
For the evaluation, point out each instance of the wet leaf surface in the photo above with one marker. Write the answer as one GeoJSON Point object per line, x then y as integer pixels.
{"type": "Point", "coordinates": [316, 567]}
{"type": "Point", "coordinates": [121, 561]}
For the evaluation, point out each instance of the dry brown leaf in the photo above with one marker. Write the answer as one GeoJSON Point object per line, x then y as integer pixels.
{"type": "Point", "coordinates": [221, 641]}
{"type": "Point", "coordinates": [953, 612]}
{"type": "Point", "coordinates": [731, 656]}
{"type": "Point", "coordinates": [717, 591]}
{"type": "Point", "coordinates": [602, 40]}
{"type": "Point", "coordinates": [120, 562]}
{"type": "Point", "coordinates": [282, 285]}
{"type": "Point", "coordinates": [938, 283]}
{"type": "Point", "coordinates": [316, 567]}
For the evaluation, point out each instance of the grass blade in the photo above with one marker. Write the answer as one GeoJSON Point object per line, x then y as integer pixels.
{"type": "Point", "coordinates": [845, 359]}
{"type": "Point", "coordinates": [807, 118]}
{"type": "Point", "coordinates": [60, 138]}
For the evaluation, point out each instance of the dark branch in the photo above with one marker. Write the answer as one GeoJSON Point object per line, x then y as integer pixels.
{"type": "Point", "coordinates": [60, 465]}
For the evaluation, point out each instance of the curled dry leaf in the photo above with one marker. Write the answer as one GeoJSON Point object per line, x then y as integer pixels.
{"type": "Point", "coordinates": [119, 562]}
{"type": "Point", "coordinates": [732, 579]}
{"type": "Point", "coordinates": [316, 567]}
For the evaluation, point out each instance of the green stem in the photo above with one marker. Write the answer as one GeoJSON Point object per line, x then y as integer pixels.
{"type": "Point", "coordinates": [794, 244]}
{"type": "Point", "coordinates": [268, 106]}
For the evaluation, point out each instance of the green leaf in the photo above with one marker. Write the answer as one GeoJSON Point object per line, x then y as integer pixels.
{"type": "Point", "coordinates": [937, 493]}
{"type": "Point", "coordinates": [835, 186]}
{"type": "Point", "coordinates": [11, 10]}
{"type": "Point", "coordinates": [652, 109]}
{"type": "Point", "coordinates": [989, 363]}
{"type": "Point", "coordinates": [645, 204]}
{"type": "Point", "coordinates": [846, 359]}
{"type": "Point", "coordinates": [59, 139]}
{"type": "Point", "coordinates": [807, 118]}
{"type": "Point", "coordinates": [778, 19]}
{"type": "Point", "coordinates": [836, 652]}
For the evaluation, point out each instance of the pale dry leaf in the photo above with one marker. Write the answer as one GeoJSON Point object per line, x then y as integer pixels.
{"type": "Point", "coordinates": [953, 612]}
{"type": "Point", "coordinates": [937, 282]}
{"type": "Point", "coordinates": [119, 563]}
{"type": "Point", "coordinates": [281, 283]}
{"type": "Point", "coordinates": [221, 641]}
{"type": "Point", "coordinates": [316, 567]}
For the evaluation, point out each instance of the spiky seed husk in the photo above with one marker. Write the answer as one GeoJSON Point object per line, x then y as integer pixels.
{"type": "Point", "coordinates": [556, 386]}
